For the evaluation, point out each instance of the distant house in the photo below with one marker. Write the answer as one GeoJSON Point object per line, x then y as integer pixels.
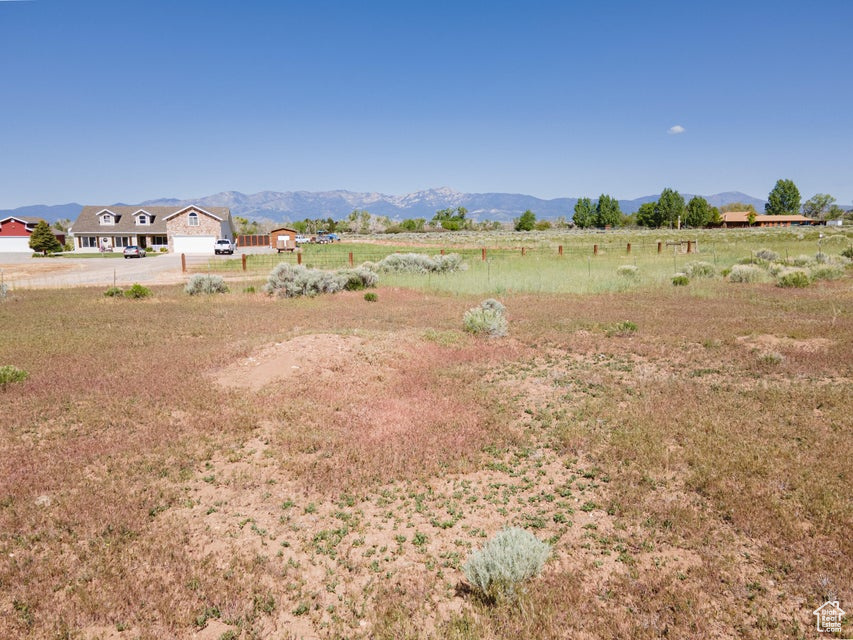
{"type": "Point", "coordinates": [187, 229]}
{"type": "Point", "coordinates": [15, 232]}
{"type": "Point", "coordinates": [734, 219]}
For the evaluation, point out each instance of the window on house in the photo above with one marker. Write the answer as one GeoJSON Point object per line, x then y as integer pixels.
{"type": "Point", "coordinates": [122, 241]}
{"type": "Point", "coordinates": [88, 241]}
{"type": "Point", "coordinates": [161, 240]}
{"type": "Point", "coordinates": [193, 219]}
{"type": "Point", "coordinates": [106, 219]}
{"type": "Point", "coordinates": [142, 219]}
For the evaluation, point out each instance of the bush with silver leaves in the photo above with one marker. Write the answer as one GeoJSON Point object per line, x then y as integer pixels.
{"type": "Point", "coordinates": [512, 556]}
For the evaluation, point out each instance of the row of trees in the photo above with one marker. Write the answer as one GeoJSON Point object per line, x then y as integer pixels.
{"type": "Point", "coordinates": [669, 210]}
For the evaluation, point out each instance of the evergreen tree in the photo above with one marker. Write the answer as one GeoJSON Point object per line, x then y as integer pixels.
{"type": "Point", "coordinates": [42, 239]}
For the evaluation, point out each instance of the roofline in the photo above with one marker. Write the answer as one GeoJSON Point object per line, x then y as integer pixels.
{"type": "Point", "coordinates": [197, 208]}
{"type": "Point", "coordinates": [21, 220]}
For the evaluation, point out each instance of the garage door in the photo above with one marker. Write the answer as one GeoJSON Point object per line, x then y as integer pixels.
{"type": "Point", "coordinates": [14, 245]}
{"type": "Point", "coordinates": [194, 244]}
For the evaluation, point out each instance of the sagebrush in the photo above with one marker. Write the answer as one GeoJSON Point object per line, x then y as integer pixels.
{"type": "Point", "coordinates": [419, 263]}
{"type": "Point", "coordinates": [487, 319]}
{"type": "Point", "coordinates": [628, 271]}
{"type": "Point", "coordinates": [512, 556]}
{"type": "Point", "coordinates": [700, 269]}
{"type": "Point", "coordinates": [746, 273]}
{"type": "Point", "coordinates": [204, 283]}
{"type": "Point", "coordinates": [297, 280]}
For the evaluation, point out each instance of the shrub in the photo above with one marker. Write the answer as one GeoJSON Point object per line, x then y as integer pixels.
{"type": "Point", "coordinates": [491, 303]}
{"type": "Point", "coordinates": [821, 258]}
{"type": "Point", "coordinates": [624, 328]}
{"type": "Point", "coordinates": [680, 280]}
{"type": "Point", "coordinates": [417, 263]}
{"type": "Point", "coordinates": [793, 278]}
{"type": "Point", "coordinates": [488, 319]}
{"type": "Point", "coordinates": [700, 269]}
{"type": "Point", "coordinates": [164, 249]}
{"type": "Point", "coordinates": [203, 283]}
{"type": "Point", "coordinates": [4, 291]}
{"type": "Point", "coordinates": [249, 289]}
{"type": "Point", "coordinates": [767, 254]}
{"type": "Point", "coordinates": [113, 292]}
{"type": "Point", "coordinates": [801, 261]}
{"type": "Point", "coordinates": [371, 297]}
{"type": "Point", "coordinates": [772, 358]}
{"type": "Point", "coordinates": [628, 271]}
{"type": "Point", "coordinates": [826, 272]}
{"type": "Point", "coordinates": [10, 374]}
{"type": "Point", "coordinates": [508, 559]}
{"type": "Point", "coordinates": [848, 252]}
{"type": "Point", "coordinates": [296, 280]}
{"type": "Point", "coordinates": [746, 273]}
{"type": "Point", "coordinates": [137, 291]}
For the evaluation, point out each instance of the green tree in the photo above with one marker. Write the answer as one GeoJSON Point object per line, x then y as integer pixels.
{"type": "Point", "coordinates": [647, 215]}
{"type": "Point", "coordinates": [670, 207]}
{"type": "Point", "coordinates": [716, 217]}
{"type": "Point", "coordinates": [584, 214]}
{"type": "Point", "coordinates": [42, 239]}
{"type": "Point", "coordinates": [607, 212]}
{"type": "Point", "coordinates": [542, 225]}
{"type": "Point", "coordinates": [737, 206]}
{"type": "Point", "coordinates": [697, 213]}
{"type": "Point", "coordinates": [526, 222]}
{"type": "Point", "coordinates": [783, 200]}
{"type": "Point", "coordinates": [751, 217]}
{"type": "Point", "coordinates": [414, 224]}
{"type": "Point", "coordinates": [818, 206]}
{"type": "Point", "coordinates": [245, 227]}
{"type": "Point", "coordinates": [452, 219]}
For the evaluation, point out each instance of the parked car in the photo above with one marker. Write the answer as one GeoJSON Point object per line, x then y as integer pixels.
{"type": "Point", "coordinates": [134, 252]}
{"type": "Point", "coordinates": [300, 239]}
{"type": "Point", "coordinates": [224, 245]}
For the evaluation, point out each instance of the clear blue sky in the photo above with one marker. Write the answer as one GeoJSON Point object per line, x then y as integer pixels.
{"type": "Point", "coordinates": [128, 100]}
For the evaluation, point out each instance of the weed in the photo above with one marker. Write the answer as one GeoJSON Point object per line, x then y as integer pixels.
{"type": "Point", "coordinates": [296, 280]}
{"type": "Point", "coordinates": [680, 280]}
{"type": "Point", "coordinates": [767, 255]}
{"type": "Point", "coordinates": [370, 297]}
{"type": "Point", "coordinates": [113, 292]}
{"type": "Point", "coordinates": [419, 263]}
{"type": "Point", "coordinates": [137, 291]}
{"type": "Point", "coordinates": [628, 271]}
{"type": "Point", "coordinates": [10, 374]}
{"type": "Point", "coordinates": [793, 279]}
{"type": "Point", "coordinates": [699, 269]}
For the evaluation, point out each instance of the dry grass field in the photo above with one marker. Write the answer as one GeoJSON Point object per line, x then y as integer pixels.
{"type": "Point", "coordinates": [238, 466]}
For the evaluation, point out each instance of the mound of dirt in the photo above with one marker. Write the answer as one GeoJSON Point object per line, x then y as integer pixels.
{"type": "Point", "coordinates": [308, 354]}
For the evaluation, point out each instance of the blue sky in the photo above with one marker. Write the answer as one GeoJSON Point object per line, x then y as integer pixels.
{"type": "Point", "coordinates": [130, 100]}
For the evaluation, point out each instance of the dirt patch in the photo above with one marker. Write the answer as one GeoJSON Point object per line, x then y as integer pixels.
{"type": "Point", "coordinates": [308, 354]}
{"type": "Point", "coordinates": [769, 342]}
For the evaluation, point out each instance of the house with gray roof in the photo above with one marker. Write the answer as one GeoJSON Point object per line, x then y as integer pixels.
{"type": "Point", "coordinates": [184, 229]}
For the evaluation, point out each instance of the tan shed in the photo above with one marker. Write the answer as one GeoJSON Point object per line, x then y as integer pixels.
{"type": "Point", "coordinates": [283, 239]}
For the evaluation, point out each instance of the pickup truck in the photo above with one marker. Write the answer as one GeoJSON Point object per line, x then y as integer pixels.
{"type": "Point", "coordinates": [223, 245]}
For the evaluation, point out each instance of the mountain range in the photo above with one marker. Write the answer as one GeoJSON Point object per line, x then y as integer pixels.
{"type": "Point", "coordinates": [276, 206]}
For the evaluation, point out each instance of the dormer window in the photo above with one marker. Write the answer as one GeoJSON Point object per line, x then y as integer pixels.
{"type": "Point", "coordinates": [192, 219]}
{"type": "Point", "coordinates": [107, 218]}
{"type": "Point", "coordinates": [142, 219]}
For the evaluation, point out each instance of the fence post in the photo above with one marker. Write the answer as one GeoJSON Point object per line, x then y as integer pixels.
{"type": "Point", "coordinates": [350, 258]}
{"type": "Point", "coordinates": [629, 247]}
{"type": "Point", "coordinates": [690, 246]}
{"type": "Point", "coordinates": [660, 247]}
{"type": "Point", "coordinates": [484, 254]}
{"type": "Point", "coordinates": [560, 250]}
{"type": "Point", "coordinates": [595, 249]}
{"type": "Point", "coordinates": [244, 261]}
{"type": "Point", "coordinates": [183, 263]}
{"type": "Point", "coordinates": [522, 251]}
{"type": "Point", "coordinates": [298, 257]}
{"type": "Point", "coordinates": [442, 252]}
